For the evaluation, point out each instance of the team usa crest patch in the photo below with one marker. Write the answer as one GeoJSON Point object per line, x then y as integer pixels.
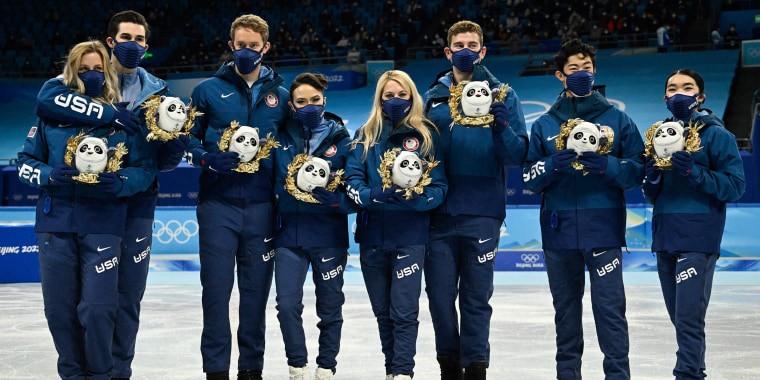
{"type": "Point", "coordinates": [331, 151]}
{"type": "Point", "coordinates": [411, 143]}
{"type": "Point", "coordinates": [32, 132]}
{"type": "Point", "coordinates": [271, 100]}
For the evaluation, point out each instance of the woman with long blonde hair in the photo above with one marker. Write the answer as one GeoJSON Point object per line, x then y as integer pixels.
{"type": "Point", "coordinates": [79, 224]}
{"type": "Point", "coordinates": [392, 228]}
{"type": "Point", "coordinates": [99, 82]}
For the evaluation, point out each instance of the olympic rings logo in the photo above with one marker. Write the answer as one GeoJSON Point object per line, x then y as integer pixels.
{"type": "Point", "coordinates": [753, 52]}
{"type": "Point", "coordinates": [174, 230]}
{"type": "Point", "coordinates": [529, 257]}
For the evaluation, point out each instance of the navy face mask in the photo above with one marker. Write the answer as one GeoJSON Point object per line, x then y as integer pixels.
{"type": "Point", "coordinates": [129, 53]}
{"type": "Point", "coordinates": [396, 108]}
{"type": "Point", "coordinates": [682, 105]}
{"type": "Point", "coordinates": [247, 60]}
{"type": "Point", "coordinates": [93, 82]}
{"type": "Point", "coordinates": [580, 82]}
{"type": "Point", "coordinates": [311, 115]}
{"type": "Point", "coordinates": [465, 60]}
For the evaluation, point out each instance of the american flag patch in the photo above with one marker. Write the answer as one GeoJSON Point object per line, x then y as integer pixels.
{"type": "Point", "coordinates": [32, 132]}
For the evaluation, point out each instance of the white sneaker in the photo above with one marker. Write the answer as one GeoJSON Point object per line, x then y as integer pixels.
{"type": "Point", "coordinates": [323, 374]}
{"type": "Point", "coordinates": [299, 373]}
{"type": "Point", "coordinates": [402, 377]}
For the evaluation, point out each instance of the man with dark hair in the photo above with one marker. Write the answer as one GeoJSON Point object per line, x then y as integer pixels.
{"type": "Point", "coordinates": [465, 229]}
{"type": "Point", "coordinates": [583, 211]}
{"type": "Point", "coordinates": [127, 37]}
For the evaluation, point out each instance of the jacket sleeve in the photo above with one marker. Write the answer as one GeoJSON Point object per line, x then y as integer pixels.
{"type": "Point", "coordinates": [195, 148]}
{"type": "Point", "coordinates": [138, 171]}
{"type": "Point", "coordinates": [32, 166]}
{"type": "Point", "coordinates": [511, 145]}
{"type": "Point", "coordinates": [357, 181]}
{"type": "Point", "coordinates": [724, 179]}
{"type": "Point", "coordinates": [626, 169]}
{"type": "Point", "coordinates": [652, 190]}
{"type": "Point", "coordinates": [538, 172]}
{"type": "Point", "coordinates": [57, 101]}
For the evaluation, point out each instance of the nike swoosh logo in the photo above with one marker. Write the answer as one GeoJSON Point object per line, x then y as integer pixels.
{"type": "Point", "coordinates": [481, 241]}
{"type": "Point", "coordinates": [551, 138]}
{"type": "Point", "coordinates": [267, 240]}
{"type": "Point", "coordinates": [598, 253]}
{"type": "Point", "coordinates": [102, 249]}
{"type": "Point", "coordinates": [399, 257]}
{"type": "Point", "coordinates": [324, 260]}
{"type": "Point", "coordinates": [436, 104]}
{"type": "Point", "coordinates": [227, 96]}
{"type": "Point", "coordinates": [61, 125]}
{"type": "Point", "coordinates": [139, 240]}
{"type": "Point", "coordinates": [287, 147]}
{"type": "Point", "coordinates": [430, 199]}
{"type": "Point", "coordinates": [376, 201]}
{"type": "Point", "coordinates": [118, 122]}
{"type": "Point", "coordinates": [681, 259]}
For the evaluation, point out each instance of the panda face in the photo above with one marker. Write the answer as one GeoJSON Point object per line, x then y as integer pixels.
{"type": "Point", "coordinates": [406, 170]}
{"type": "Point", "coordinates": [245, 142]}
{"type": "Point", "coordinates": [668, 138]}
{"type": "Point", "coordinates": [91, 155]}
{"type": "Point", "coordinates": [476, 99]}
{"type": "Point", "coordinates": [312, 174]}
{"type": "Point", "coordinates": [584, 138]}
{"type": "Point", "coordinates": [172, 114]}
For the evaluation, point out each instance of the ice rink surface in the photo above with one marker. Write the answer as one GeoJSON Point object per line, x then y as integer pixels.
{"type": "Point", "coordinates": [522, 332]}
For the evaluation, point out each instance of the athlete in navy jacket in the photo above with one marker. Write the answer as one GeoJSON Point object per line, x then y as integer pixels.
{"type": "Point", "coordinates": [313, 234]}
{"type": "Point", "coordinates": [236, 210]}
{"type": "Point", "coordinates": [689, 217]}
{"type": "Point", "coordinates": [392, 231]}
{"type": "Point", "coordinates": [583, 215]}
{"type": "Point", "coordinates": [80, 226]}
{"type": "Point", "coordinates": [128, 34]}
{"type": "Point", "coordinates": [465, 229]}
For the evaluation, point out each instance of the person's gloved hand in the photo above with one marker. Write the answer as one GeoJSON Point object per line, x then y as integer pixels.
{"type": "Point", "coordinates": [562, 159]}
{"type": "Point", "coordinates": [178, 145]}
{"type": "Point", "coordinates": [378, 195]}
{"type": "Point", "coordinates": [682, 161]}
{"type": "Point", "coordinates": [125, 120]}
{"type": "Point", "coordinates": [398, 198]}
{"type": "Point", "coordinates": [652, 172]}
{"type": "Point", "coordinates": [594, 162]}
{"type": "Point", "coordinates": [222, 162]}
{"type": "Point", "coordinates": [109, 182]}
{"type": "Point", "coordinates": [61, 175]}
{"type": "Point", "coordinates": [326, 197]}
{"type": "Point", "coordinates": [501, 116]}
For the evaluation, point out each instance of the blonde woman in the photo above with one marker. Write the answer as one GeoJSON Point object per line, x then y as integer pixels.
{"type": "Point", "coordinates": [80, 226]}
{"type": "Point", "coordinates": [392, 231]}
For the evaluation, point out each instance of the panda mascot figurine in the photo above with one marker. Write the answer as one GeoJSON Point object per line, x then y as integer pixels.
{"type": "Point", "coordinates": [172, 114]}
{"type": "Point", "coordinates": [91, 155]}
{"type": "Point", "coordinates": [312, 174]}
{"type": "Point", "coordinates": [406, 170]}
{"type": "Point", "coordinates": [476, 99]}
{"type": "Point", "coordinates": [245, 142]}
{"type": "Point", "coordinates": [586, 137]}
{"type": "Point", "coordinates": [669, 138]}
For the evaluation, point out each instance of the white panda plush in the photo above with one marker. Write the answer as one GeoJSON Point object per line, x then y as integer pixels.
{"type": "Point", "coordinates": [172, 114]}
{"type": "Point", "coordinates": [668, 138]}
{"type": "Point", "coordinates": [585, 137]}
{"type": "Point", "coordinates": [245, 142]}
{"type": "Point", "coordinates": [476, 99]}
{"type": "Point", "coordinates": [312, 174]}
{"type": "Point", "coordinates": [406, 170]}
{"type": "Point", "coordinates": [91, 155]}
